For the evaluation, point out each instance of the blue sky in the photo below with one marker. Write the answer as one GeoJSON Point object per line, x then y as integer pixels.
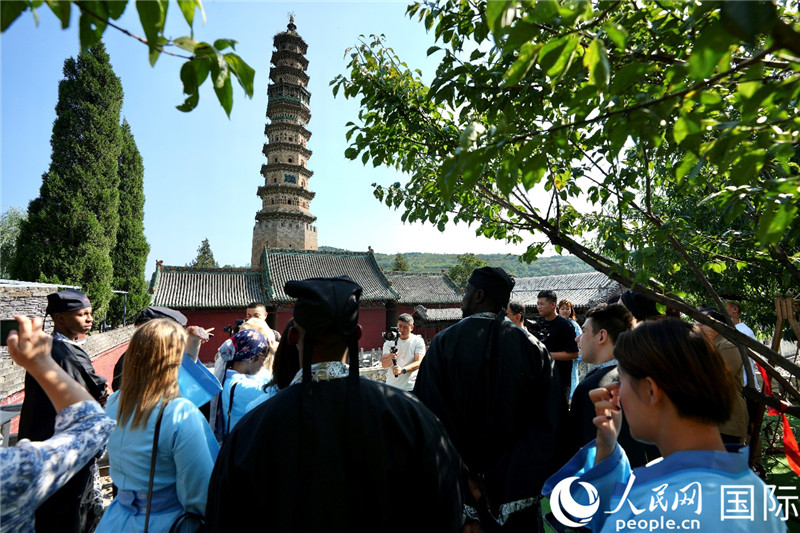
{"type": "Point", "coordinates": [201, 168]}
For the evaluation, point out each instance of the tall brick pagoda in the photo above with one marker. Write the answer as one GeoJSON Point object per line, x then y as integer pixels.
{"type": "Point", "coordinates": [284, 220]}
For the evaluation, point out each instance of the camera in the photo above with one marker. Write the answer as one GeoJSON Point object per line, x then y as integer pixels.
{"type": "Point", "coordinates": [230, 330]}
{"type": "Point", "coordinates": [392, 335]}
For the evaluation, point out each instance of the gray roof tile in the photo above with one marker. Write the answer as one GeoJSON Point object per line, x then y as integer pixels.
{"type": "Point", "coordinates": [583, 290]}
{"type": "Point", "coordinates": [424, 288]}
{"type": "Point", "coordinates": [184, 287]}
{"type": "Point", "coordinates": [282, 265]}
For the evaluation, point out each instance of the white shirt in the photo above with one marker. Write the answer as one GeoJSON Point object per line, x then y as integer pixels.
{"type": "Point", "coordinates": [406, 350]}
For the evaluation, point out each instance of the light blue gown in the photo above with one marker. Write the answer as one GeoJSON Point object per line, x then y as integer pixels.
{"type": "Point", "coordinates": [700, 490]}
{"type": "Point", "coordinates": [187, 451]}
{"type": "Point", "coordinates": [248, 389]}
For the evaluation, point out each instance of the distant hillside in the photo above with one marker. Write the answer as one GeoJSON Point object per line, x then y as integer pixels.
{"type": "Point", "coordinates": [544, 266]}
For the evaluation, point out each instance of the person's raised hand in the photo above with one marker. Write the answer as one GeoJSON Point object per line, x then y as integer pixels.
{"type": "Point", "coordinates": [608, 419]}
{"type": "Point", "coordinates": [29, 346]}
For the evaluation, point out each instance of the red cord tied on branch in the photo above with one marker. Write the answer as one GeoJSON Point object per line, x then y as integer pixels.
{"type": "Point", "coordinates": [790, 447]}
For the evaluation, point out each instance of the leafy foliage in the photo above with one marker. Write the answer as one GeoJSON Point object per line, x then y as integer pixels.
{"type": "Point", "coordinates": [10, 224]}
{"type": "Point", "coordinates": [205, 257]}
{"type": "Point", "coordinates": [130, 253]}
{"type": "Point", "coordinates": [72, 225]}
{"type": "Point", "coordinates": [400, 264]}
{"type": "Point", "coordinates": [206, 60]}
{"type": "Point", "coordinates": [655, 141]}
{"type": "Point", "coordinates": [462, 270]}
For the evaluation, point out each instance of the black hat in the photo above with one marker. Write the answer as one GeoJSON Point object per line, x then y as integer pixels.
{"type": "Point", "coordinates": [494, 281]}
{"type": "Point", "coordinates": [640, 306]}
{"type": "Point", "coordinates": [66, 300]}
{"type": "Point", "coordinates": [154, 311]}
{"type": "Point", "coordinates": [326, 305]}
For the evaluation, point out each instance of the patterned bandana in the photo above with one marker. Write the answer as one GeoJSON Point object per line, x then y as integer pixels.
{"type": "Point", "coordinates": [247, 344]}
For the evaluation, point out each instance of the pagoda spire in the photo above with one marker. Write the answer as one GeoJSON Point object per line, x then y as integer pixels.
{"type": "Point", "coordinates": [284, 220]}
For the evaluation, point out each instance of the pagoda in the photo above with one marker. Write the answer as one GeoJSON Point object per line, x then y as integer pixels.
{"type": "Point", "coordinates": [284, 220]}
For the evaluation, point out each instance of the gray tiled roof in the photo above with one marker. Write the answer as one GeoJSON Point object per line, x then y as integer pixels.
{"type": "Point", "coordinates": [583, 290]}
{"type": "Point", "coordinates": [215, 288]}
{"type": "Point", "coordinates": [448, 314]}
{"type": "Point", "coordinates": [424, 288]}
{"type": "Point", "coordinates": [282, 265]}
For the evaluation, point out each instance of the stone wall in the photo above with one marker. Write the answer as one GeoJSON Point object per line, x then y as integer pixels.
{"type": "Point", "coordinates": [25, 300]}
{"type": "Point", "coordinates": [98, 345]}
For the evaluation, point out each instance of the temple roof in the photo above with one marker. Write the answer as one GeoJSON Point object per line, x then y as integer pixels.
{"type": "Point", "coordinates": [583, 290]}
{"type": "Point", "coordinates": [217, 288]}
{"type": "Point", "coordinates": [282, 265]}
{"type": "Point", "coordinates": [447, 314]}
{"type": "Point", "coordinates": [424, 288]}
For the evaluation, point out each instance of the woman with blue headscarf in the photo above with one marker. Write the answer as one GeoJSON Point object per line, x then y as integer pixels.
{"type": "Point", "coordinates": [244, 357]}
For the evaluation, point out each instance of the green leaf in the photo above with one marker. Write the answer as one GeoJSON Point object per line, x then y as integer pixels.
{"type": "Point", "coordinates": [225, 95]}
{"type": "Point", "coordinates": [193, 73]}
{"type": "Point", "coordinates": [627, 76]}
{"type": "Point", "coordinates": [187, 7]}
{"type": "Point", "coordinates": [715, 266]}
{"type": "Point", "coordinates": [555, 54]}
{"type": "Point", "coordinates": [186, 43]}
{"type": "Point", "coordinates": [685, 126]}
{"type": "Point", "coordinates": [152, 15]}
{"type": "Point", "coordinates": [61, 9]}
{"type": "Point", "coordinates": [710, 47]}
{"type": "Point", "coordinates": [596, 60]}
{"type": "Point", "coordinates": [222, 44]}
{"type": "Point", "coordinates": [470, 134]}
{"type": "Point", "coordinates": [775, 221]}
{"type": "Point", "coordinates": [190, 103]}
{"type": "Point", "coordinates": [745, 169]}
{"type": "Point", "coordinates": [499, 15]}
{"type": "Point", "coordinates": [524, 62]}
{"type": "Point", "coordinates": [91, 28]}
{"type": "Point", "coordinates": [10, 11]}
{"type": "Point", "coordinates": [115, 9]}
{"type": "Point", "coordinates": [746, 20]}
{"type": "Point", "coordinates": [617, 33]}
{"type": "Point", "coordinates": [243, 72]}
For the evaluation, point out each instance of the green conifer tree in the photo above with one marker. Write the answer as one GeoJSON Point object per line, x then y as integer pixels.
{"type": "Point", "coordinates": [72, 225]}
{"type": "Point", "coordinates": [130, 253]}
{"type": "Point", "coordinates": [400, 263]}
{"type": "Point", "coordinates": [205, 257]}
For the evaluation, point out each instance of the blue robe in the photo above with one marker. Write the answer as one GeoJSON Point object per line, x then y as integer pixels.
{"type": "Point", "coordinates": [186, 454]}
{"type": "Point", "coordinates": [701, 490]}
{"type": "Point", "coordinates": [248, 389]}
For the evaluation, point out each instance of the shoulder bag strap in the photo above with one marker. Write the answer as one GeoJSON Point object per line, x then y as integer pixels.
{"type": "Point", "coordinates": [153, 465]}
{"type": "Point", "coordinates": [230, 406]}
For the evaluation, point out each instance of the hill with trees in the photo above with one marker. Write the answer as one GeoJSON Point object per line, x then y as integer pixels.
{"type": "Point", "coordinates": [429, 262]}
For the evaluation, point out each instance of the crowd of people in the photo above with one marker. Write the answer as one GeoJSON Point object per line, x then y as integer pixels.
{"type": "Point", "coordinates": [473, 433]}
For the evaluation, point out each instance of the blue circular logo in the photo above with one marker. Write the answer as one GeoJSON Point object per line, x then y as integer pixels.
{"type": "Point", "coordinates": [565, 508]}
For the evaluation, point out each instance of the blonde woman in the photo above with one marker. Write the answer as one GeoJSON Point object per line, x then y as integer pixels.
{"type": "Point", "coordinates": [186, 447]}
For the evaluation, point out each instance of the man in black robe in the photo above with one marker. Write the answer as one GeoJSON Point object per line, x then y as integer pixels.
{"type": "Point", "coordinates": [496, 391]}
{"type": "Point", "coordinates": [602, 327]}
{"type": "Point", "coordinates": [335, 452]}
{"type": "Point", "coordinates": [64, 512]}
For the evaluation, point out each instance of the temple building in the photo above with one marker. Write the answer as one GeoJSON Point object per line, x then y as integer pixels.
{"type": "Point", "coordinates": [285, 220]}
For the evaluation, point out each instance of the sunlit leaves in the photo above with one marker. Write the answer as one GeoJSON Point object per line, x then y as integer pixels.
{"type": "Point", "coordinates": [596, 60]}
{"type": "Point", "coordinates": [93, 22]}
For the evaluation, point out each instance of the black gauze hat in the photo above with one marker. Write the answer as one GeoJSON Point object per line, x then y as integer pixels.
{"type": "Point", "coordinates": [640, 306]}
{"type": "Point", "coordinates": [66, 300]}
{"type": "Point", "coordinates": [326, 305]}
{"type": "Point", "coordinates": [155, 311]}
{"type": "Point", "coordinates": [494, 281]}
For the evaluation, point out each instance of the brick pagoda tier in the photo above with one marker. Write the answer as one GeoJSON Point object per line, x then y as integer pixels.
{"type": "Point", "coordinates": [284, 220]}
